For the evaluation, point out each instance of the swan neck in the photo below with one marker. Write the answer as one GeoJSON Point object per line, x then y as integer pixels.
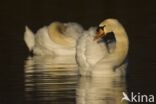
{"type": "Point", "coordinates": [56, 34]}
{"type": "Point", "coordinates": [121, 49]}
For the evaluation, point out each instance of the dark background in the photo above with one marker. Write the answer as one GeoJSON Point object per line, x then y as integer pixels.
{"type": "Point", "coordinates": [138, 17]}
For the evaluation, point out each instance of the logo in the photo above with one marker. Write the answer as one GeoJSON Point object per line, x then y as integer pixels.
{"type": "Point", "coordinates": [138, 97]}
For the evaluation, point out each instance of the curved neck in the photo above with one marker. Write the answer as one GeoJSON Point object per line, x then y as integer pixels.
{"type": "Point", "coordinates": [55, 31]}
{"type": "Point", "coordinates": [121, 49]}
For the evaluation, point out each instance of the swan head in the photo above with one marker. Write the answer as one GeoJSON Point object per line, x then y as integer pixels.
{"type": "Point", "coordinates": [105, 27]}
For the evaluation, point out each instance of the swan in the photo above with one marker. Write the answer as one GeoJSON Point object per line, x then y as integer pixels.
{"type": "Point", "coordinates": [96, 57]}
{"type": "Point", "coordinates": [57, 39]}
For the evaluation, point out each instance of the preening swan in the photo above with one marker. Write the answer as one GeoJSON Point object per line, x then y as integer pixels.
{"type": "Point", "coordinates": [56, 39]}
{"type": "Point", "coordinates": [96, 57]}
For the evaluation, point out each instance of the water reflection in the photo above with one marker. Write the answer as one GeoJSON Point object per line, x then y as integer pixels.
{"type": "Point", "coordinates": [55, 81]}
{"type": "Point", "coordinates": [100, 90]}
{"type": "Point", "coordinates": [50, 80]}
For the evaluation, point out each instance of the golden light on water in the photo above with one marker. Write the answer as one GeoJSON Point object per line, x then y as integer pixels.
{"type": "Point", "coordinates": [50, 81]}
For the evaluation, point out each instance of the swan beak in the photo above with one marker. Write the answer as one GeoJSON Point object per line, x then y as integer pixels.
{"type": "Point", "coordinates": [99, 33]}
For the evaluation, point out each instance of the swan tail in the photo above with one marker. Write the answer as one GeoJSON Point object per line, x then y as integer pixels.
{"type": "Point", "coordinates": [29, 38]}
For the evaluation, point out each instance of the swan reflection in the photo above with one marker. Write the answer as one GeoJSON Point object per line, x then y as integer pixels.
{"type": "Point", "coordinates": [55, 81]}
{"type": "Point", "coordinates": [100, 90]}
{"type": "Point", "coordinates": [50, 80]}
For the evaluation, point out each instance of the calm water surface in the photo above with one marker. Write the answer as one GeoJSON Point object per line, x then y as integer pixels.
{"type": "Point", "coordinates": [55, 81]}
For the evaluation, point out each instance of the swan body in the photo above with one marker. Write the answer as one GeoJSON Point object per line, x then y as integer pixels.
{"type": "Point", "coordinates": [56, 39]}
{"type": "Point", "coordinates": [93, 57]}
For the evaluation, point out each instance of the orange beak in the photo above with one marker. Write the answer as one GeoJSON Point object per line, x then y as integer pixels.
{"type": "Point", "coordinates": [99, 33]}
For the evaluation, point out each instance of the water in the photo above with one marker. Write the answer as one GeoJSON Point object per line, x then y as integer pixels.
{"type": "Point", "coordinates": [50, 80]}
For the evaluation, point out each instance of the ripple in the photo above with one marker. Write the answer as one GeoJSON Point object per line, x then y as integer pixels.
{"type": "Point", "coordinates": [56, 81]}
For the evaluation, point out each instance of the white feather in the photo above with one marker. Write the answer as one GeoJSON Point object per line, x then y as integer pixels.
{"type": "Point", "coordinates": [29, 38]}
{"type": "Point", "coordinates": [41, 43]}
{"type": "Point", "coordinates": [93, 57]}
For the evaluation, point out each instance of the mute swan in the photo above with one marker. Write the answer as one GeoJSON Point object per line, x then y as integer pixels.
{"type": "Point", "coordinates": [56, 39]}
{"type": "Point", "coordinates": [93, 56]}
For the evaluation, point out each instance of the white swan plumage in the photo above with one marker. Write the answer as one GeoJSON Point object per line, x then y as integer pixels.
{"type": "Point", "coordinates": [93, 57]}
{"type": "Point", "coordinates": [56, 39]}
